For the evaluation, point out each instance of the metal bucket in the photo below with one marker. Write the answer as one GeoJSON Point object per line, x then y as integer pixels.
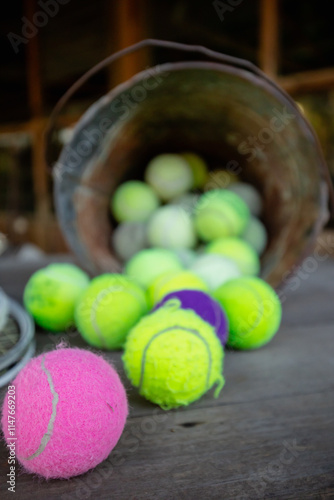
{"type": "Point", "coordinates": [221, 107]}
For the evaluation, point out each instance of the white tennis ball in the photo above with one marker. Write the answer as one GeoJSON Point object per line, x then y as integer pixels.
{"type": "Point", "coordinates": [255, 235]}
{"type": "Point", "coordinates": [169, 175]}
{"type": "Point", "coordinates": [4, 309]}
{"type": "Point", "coordinates": [215, 269]}
{"type": "Point", "coordinates": [129, 238]}
{"type": "Point", "coordinates": [249, 194]}
{"type": "Point", "coordinates": [239, 251]}
{"type": "Point", "coordinates": [171, 227]}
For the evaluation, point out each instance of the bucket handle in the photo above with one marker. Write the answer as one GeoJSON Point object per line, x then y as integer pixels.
{"type": "Point", "coordinates": [242, 64]}
{"type": "Point", "coordinates": [230, 60]}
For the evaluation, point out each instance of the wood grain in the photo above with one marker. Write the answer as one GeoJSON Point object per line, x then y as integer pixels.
{"type": "Point", "coordinates": [270, 434]}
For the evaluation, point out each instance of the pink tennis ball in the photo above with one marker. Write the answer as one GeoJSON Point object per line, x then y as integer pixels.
{"type": "Point", "coordinates": [70, 411]}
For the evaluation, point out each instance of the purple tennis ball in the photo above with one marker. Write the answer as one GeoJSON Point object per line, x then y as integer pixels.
{"type": "Point", "coordinates": [204, 306]}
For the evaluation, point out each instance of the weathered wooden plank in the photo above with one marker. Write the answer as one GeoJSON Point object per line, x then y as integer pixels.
{"type": "Point", "coordinates": [270, 434]}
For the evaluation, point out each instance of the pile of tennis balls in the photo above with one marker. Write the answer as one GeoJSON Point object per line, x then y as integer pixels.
{"type": "Point", "coordinates": [189, 289]}
{"type": "Point", "coordinates": [189, 285]}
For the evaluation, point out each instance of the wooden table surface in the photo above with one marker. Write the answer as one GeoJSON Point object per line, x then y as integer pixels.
{"type": "Point", "coordinates": [270, 434]}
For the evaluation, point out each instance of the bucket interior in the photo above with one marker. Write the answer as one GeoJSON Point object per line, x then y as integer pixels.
{"type": "Point", "coordinates": [235, 119]}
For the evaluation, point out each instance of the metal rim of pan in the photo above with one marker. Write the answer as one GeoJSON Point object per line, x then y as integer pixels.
{"type": "Point", "coordinates": [23, 349]}
{"type": "Point", "coordinates": [8, 376]}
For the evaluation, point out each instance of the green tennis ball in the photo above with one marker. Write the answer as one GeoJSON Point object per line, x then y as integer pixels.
{"type": "Point", "coordinates": [220, 213]}
{"type": "Point", "coordinates": [147, 265]}
{"type": "Point", "coordinates": [51, 294]}
{"type": "Point", "coordinates": [239, 251]}
{"type": "Point", "coordinates": [171, 227]}
{"type": "Point", "coordinates": [133, 201]}
{"type": "Point", "coordinates": [198, 167]}
{"type": "Point", "coordinates": [170, 282]}
{"type": "Point", "coordinates": [169, 175]}
{"type": "Point", "coordinates": [253, 309]}
{"type": "Point", "coordinates": [108, 309]}
{"type": "Point", "coordinates": [255, 235]}
{"type": "Point", "coordinates": [173, 357]}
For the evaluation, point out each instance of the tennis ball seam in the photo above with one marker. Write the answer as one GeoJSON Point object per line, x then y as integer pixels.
{"type": "Point", "coordinates": [48, 435]}
{"type": "Point", "coordinates": [171, 328]}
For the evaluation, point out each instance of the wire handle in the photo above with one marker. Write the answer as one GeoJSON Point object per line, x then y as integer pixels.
{"type": "Point", "coordinates": [230, 60]}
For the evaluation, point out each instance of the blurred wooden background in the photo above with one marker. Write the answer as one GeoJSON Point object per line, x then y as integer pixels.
{"type": "Point", "coordinates": [291, 41]}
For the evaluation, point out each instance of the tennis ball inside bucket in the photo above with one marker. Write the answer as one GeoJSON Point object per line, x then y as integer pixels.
{"type": "Point", "coordinates": [220, 213]}
{"type": "Point", "coordinates": [209, 110]}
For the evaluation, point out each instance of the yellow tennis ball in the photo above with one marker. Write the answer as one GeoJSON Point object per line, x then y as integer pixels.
{"type": "Point", "coordinates": [198, 167]}
{"type": "Point", "coordinates": [108, 309]}
{"type": "Point", "coordinates": [253, 310]}
{"type": "Point", "coordinates": [170, 282]}
{"type": "Point", "coordinates": [173, 357]}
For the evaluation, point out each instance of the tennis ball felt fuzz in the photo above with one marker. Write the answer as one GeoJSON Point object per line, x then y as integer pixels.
{"type": "Point", "coordinates": [70, 411]}
{"type": "Point", "coordinates": [147, 265]}
{"type": "Point", "coordinates": [239, 251]}
{"type": "Point", "coordinates": [108, 309]}
{"type": "Point", "coordinates": [51, 294]}
{"type": "Point", "coordinates": [133, 201]}
{"type": "Point", "coordinates": [173, 357]}
{"type": "Point", "coordinates": [203, 305]}
{"type": "Point", "coordinates": [169, 175]}
{"type": "Point", "coordinates": [253, 310]}
{"type": "Point", "coordinates": [220, 213]}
